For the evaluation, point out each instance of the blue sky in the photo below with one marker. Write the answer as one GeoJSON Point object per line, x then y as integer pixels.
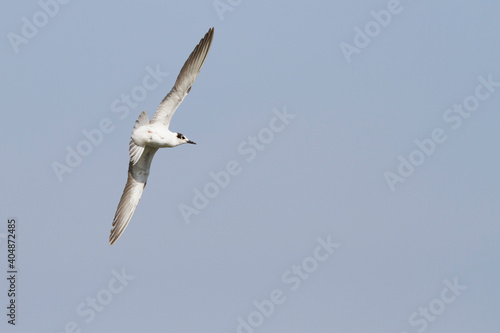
{"type": "Point", "coordinates": [345, 177]}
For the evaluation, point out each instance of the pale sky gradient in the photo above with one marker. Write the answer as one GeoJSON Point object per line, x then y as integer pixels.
{"type": "Point", "coordinates": [422, 256]}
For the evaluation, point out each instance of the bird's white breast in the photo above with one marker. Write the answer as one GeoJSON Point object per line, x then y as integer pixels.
{"type": "Point", "coordinates": [154, 135]}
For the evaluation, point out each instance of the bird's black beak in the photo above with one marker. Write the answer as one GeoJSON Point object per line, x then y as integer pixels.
{"type": "Point", "coordinates": [191, 142]}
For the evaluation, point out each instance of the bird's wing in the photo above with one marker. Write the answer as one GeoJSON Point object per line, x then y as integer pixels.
{"type": "Point", "coordinates": [137, 177]}
{"type": "Point", "coordinates": [184, 81]}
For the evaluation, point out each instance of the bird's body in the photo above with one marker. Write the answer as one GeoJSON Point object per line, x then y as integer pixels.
{"type": "Point", "coordinates": [154, 135]}
{"type": "Point", "coordinates": [148, 136]}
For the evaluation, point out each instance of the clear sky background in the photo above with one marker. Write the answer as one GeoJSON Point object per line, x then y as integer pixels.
{"type": "Point", "coordinates": [414, 250]}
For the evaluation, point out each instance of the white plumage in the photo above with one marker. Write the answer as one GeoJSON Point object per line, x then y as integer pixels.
{"type": "Point", "coordinates": [148, 136]}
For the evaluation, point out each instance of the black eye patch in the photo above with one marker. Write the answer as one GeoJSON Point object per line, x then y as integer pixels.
{"type": "Point", "coordinates": [180, 136]}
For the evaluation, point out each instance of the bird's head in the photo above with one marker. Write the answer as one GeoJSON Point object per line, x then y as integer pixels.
{"type": "Point", "coordinates": [181, 139]}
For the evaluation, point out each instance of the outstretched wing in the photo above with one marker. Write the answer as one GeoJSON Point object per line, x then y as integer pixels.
{"type": "Point", "coordinates": [185, 80]}
{"type": "Point", "coordinates": [137, 177]}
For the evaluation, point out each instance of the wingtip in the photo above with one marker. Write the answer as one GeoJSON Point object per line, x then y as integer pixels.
{"type": "Point", "coordinates": [111, 240]}
{"type": "Point", "coordinates": [210, 33]}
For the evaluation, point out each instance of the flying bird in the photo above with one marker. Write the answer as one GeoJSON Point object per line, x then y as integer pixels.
{"type": "Point", "coordinates": [148, 136]}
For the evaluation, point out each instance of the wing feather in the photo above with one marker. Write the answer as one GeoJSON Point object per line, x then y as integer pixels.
{"type": "Point", "coordinates": [185, 80]}
{"type": "Point", "coordinates": [136, 182]}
